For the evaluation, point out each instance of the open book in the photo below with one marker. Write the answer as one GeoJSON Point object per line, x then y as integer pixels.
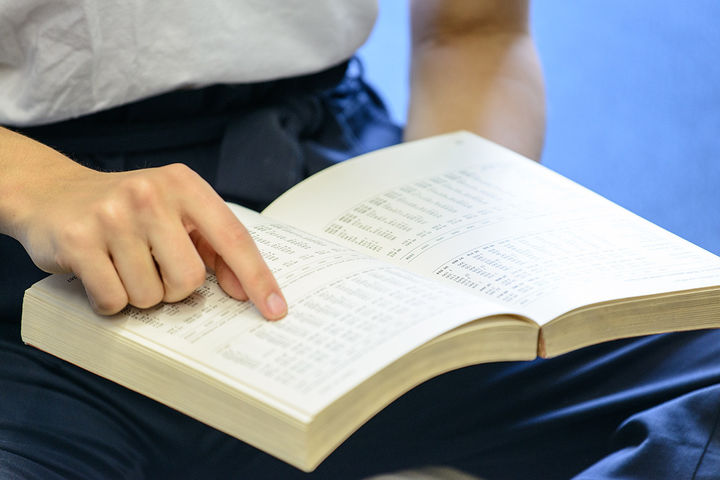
{"type": "Point", "coordinates": [398, 266]}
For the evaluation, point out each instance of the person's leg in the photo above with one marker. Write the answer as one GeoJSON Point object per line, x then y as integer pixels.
{"type": "Point", "coordinates": [59, 422]}
{"type": "Point", "coordinates": [678, 438]}
{"type": "Point", "coordinates": [638, 408]}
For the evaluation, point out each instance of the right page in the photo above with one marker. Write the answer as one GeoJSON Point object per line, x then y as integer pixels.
{"type": "Point", "coordinates": [473, 214]}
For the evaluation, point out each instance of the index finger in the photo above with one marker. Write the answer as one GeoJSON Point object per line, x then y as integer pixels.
{"type": "Point", "coordinates": [232, 242]}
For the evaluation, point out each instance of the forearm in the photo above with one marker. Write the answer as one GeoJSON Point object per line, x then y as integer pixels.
{"type": "Point", "coordinates": [29, 170]}
{"type": "Point", "coordinates": [482, 77]}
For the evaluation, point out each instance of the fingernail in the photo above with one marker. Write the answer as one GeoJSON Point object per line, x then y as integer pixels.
{"type": "Point", "coordinates": [276, 306]}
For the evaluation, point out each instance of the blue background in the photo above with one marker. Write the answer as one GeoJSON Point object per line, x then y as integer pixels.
{"type": "Point", "coordinates": [633, 94]}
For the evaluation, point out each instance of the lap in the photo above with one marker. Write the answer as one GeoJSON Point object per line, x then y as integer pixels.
{"type": "Point", "coordinates": [646, 405]}
{"type": "Point", "coordinates": [614, 406]}
{"type": "Point", "coordinates": [637, 408]}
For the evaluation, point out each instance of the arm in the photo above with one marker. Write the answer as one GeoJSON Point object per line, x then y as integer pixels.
{"type": "Point", "coordinates": [474, 67]}
{"type": "Point", "coordinates": [137, 237]}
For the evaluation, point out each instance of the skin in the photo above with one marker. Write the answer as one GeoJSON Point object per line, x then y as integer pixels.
{"type": "Point", "coordinates": [136, 237]}
{"type": "Point", "coordinates": [147, 236]}
{"type": "Point", "coordinates": [475, 67]}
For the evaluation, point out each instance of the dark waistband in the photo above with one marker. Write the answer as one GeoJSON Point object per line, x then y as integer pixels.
{"type": "Point", "coordinates": [177, 118]}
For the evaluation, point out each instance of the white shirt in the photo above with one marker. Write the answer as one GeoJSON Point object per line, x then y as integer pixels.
{"type": "Point", "coordinates": [64, 58]}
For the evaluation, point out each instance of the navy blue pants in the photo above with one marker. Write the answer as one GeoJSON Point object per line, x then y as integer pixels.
{"type": "Point", "coordinates": [640, 408]}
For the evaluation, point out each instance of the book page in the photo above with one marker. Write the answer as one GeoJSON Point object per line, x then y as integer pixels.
{"type": "Point", "coordinates": [477, 216]}
{"type": "Point", "coordinates": [349, 316]}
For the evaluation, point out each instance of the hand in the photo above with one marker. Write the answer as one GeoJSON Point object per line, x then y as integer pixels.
{"type": "Point", "coordinates": [142, 237]}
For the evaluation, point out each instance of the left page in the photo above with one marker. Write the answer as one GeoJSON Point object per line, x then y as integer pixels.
{"type": "Point", "coordinates": [349, 316]}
